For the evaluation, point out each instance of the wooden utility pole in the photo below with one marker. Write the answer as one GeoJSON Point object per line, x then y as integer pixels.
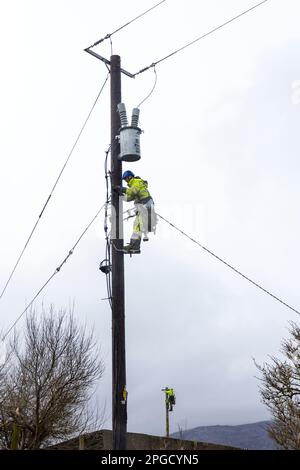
{"type": "Point", "coordinates": [169, 403]}
{"type": "Point", "coordinates": [167, 411]}
{"type": "Point", "coordinates": [119, 394]}
{"type": "Point", "coordinates": [167, 419]}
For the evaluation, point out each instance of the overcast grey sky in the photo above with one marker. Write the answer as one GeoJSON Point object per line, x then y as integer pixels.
{"type": "Point", "coordinates": [221, 153]}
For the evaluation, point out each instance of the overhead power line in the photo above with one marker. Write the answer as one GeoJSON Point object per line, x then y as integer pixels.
{"type": "Point", "coordinates": [108, 36]}
{"type": "Point", "coordinates": [152, 89]}
{"type": "Point", "coordinates": [53, 189]}
{"type": "Point", "coordinates": [229, 265]}
{"type": "Point", "coordinates": [200, 37]}
{"type": "Point", "coordinates": [71, 251]}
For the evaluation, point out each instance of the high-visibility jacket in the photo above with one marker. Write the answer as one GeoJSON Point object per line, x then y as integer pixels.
{"type": "Point", "coordinates": [137, 190]}
{"type": "Point", "coordinates": [170, 397]}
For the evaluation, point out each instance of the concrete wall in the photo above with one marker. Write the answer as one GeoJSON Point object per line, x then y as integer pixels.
{"type": "Point", "coordinates": [102, 440]}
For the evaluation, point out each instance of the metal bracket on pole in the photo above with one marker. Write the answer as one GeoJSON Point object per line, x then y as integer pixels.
{"type": "Point", "coordinates": [107, 62]}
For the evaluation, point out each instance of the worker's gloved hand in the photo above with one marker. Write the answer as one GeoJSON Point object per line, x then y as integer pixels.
{"type": "Point", "coordinates": [119, 190]}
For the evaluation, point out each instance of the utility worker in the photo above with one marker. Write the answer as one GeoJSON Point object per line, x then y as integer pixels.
{"type": "Point", "coordinates": [170, 397]}
{"type": "Point", "coordinates": [145, 220]}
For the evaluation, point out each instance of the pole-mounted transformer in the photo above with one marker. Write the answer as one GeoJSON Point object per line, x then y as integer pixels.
{"type": "Point", "coordinates": [130, 150]}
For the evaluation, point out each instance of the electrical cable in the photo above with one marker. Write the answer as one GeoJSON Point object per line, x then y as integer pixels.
{"type": "Point", "coordinates": [201, 37]}
{"type": "Point", "coordinates": [108, 36]}
{"type": "Point", "coordinates": [52, 276]}
{"type": "Point", "coordinates": [52, 190]}
{"type": "Point", "coordinates": [152, 90]}
{"type": "Point", "coordinates": [229, 265]}
{"type": "Point", "coordinates": [107, 247]}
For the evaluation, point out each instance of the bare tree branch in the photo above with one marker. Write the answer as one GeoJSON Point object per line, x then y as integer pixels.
{"type": "Point", "coordinates": [280, 391]}
{"type": "Point", "coordinates": [46, 382]}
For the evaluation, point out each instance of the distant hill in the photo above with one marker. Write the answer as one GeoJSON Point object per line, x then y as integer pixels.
{"type": "Point", "coordinates": [246, 436]}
